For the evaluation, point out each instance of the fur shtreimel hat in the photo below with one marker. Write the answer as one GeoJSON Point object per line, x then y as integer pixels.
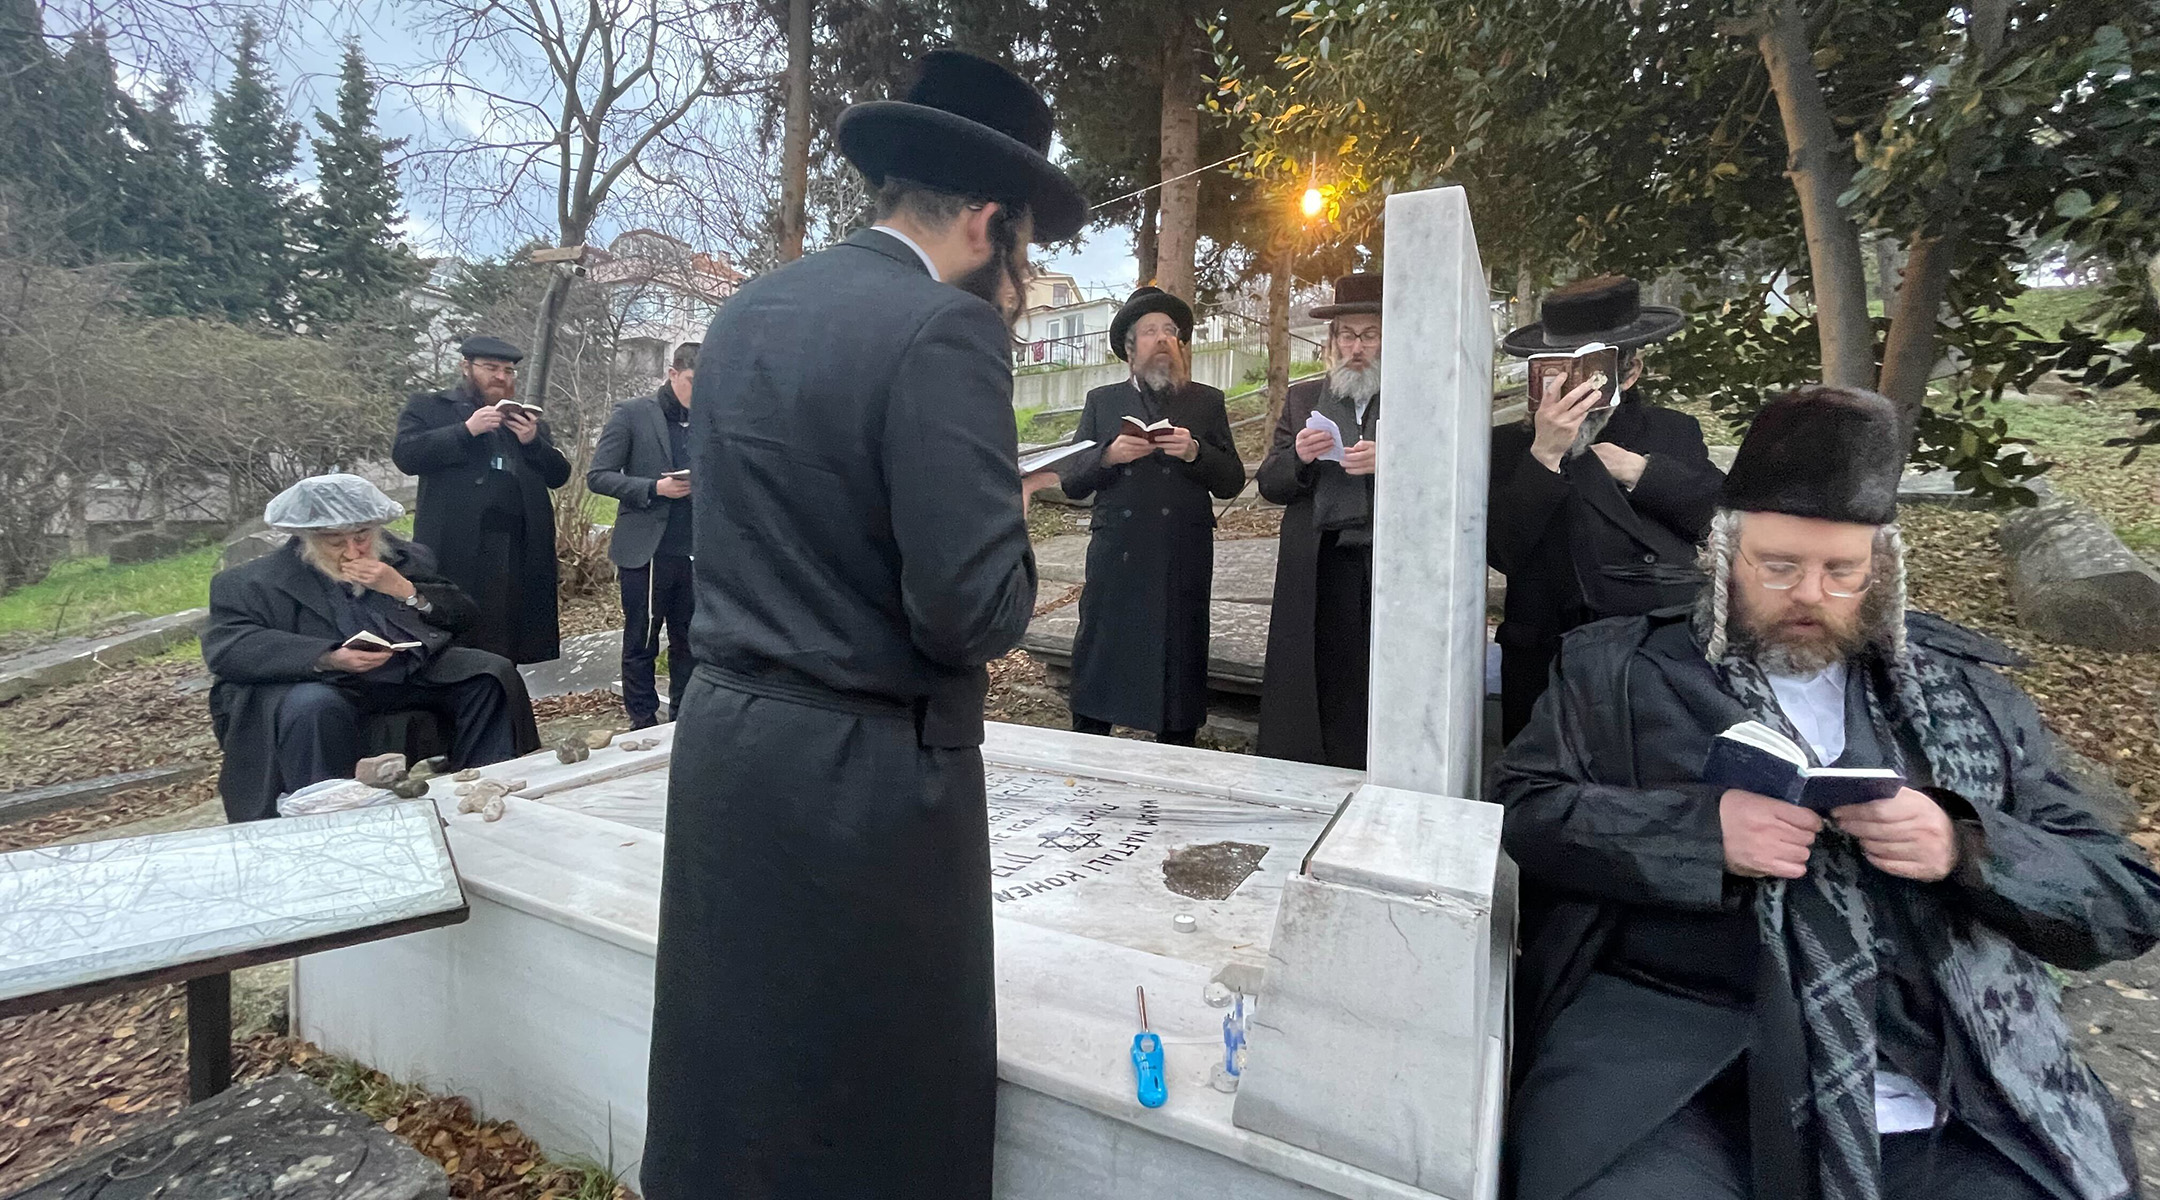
{"type": "Point", "coordinates": [972, 127]}
{"type": "Point", "coordinates": [1358, 293]}
{"type": "Point", "coordinates": [1141, 303]}
{"type": "Point", "coordinates": [1606, 309]}
{"type": "Point", "coordinates": [1831, 453]}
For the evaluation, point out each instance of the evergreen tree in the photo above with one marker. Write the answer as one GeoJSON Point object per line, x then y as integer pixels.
{"type": "Point", "coordinates": [166, 203]}
{"type": "Point", "coordinates": [90, 151]}
{"type": "Point", "coordinates": [254, 214]}
{"type": "Point", "coordinates": [355, 262]}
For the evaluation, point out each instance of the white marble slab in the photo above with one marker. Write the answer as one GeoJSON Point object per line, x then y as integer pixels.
{"type": "Point", "coordinates": [1411, 844]}
{"type": "Point", "coordinates": [544, 774]}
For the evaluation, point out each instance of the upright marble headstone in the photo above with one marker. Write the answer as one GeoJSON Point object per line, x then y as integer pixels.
{"type": "Point", "coordinates": [1378, 1038]}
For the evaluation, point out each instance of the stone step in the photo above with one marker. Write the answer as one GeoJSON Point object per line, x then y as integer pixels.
{"type": "Point", "coordinates": [25, 803]}
{"type": "Point", "coordinates": [72, 659]}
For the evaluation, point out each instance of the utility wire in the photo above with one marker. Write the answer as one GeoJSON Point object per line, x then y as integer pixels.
{"type": "Point", "coordinates": [1187, 175]}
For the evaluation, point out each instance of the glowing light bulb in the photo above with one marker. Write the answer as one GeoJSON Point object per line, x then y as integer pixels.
{"type": "Point", "coordinates": [1313, 202]}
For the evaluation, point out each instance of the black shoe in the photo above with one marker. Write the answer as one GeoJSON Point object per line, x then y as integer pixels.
{"type": "Point", "coordinates": [637, 723]}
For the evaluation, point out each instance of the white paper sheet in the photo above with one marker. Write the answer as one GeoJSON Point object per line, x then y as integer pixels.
{"type": "Point", "coordinates": [1333, 453]}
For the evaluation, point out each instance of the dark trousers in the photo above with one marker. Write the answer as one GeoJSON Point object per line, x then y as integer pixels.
{"type": "Point", "coordinates": [1524, 672]}
{"type": "Point", "coordinates": [1342, 650]}
{"type": "Point", "coordinates": [1168, 737]}
{"type": "Point", "coordinates": [1701, 1152]}
{"type": "Point", "coordinates": [319, 734]}
{"type": "Point", "coordinates": [659, 594]}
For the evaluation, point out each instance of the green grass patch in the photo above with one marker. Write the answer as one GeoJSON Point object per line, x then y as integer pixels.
{"type": "Point", "coordinates": [601, 510]}
{"type": "Point", "coordinates": [84, 591]}
{"type": "Point", "coordinates": [2048, 309]}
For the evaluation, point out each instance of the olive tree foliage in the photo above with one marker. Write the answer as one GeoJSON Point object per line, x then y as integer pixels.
{"type": "Point", "coordinates": [1677, 138]}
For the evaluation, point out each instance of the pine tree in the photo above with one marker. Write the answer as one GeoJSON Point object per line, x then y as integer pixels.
{"type": "Point", "coordinates": [90, 150]}
{"type": "Point", "coordinates": [354, 262]}
{"type": "Point", "coordinates": [254, 213]}
{"type": "Point", "coordinates": [166, 204]}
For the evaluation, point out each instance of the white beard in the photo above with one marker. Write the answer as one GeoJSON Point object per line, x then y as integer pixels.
{"type": "Point", "coordinates": [318, 556]}
{"type": "Point", "coordinates": [1158, 376]}
{"type": "Point", "coordinates": [1588, 432]}
{"type": "Point", "coordinates": [1353, 385]}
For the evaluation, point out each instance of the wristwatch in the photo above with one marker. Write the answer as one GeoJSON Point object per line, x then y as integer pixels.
{"type": "Point", "coordinates": [416, 602]}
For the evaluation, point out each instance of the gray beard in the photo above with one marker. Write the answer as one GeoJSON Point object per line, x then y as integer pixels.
{"type": "Point", "coordinates": [1155, 377]}
{"type": "Point", "coordinates": [1355, 386]}
{"type": "Point", "coordinates": [313, 554]}
{"type": "Point", "coordinates": [1592, 426]}
{"type": "Point", "coordinates": [1782, 658]}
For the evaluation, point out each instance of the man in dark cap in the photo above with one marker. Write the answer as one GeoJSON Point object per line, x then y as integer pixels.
{"type": "Point", "coordinates": [1140, 659]}
{"type": "Point", "coordinates": [1594, 509]}
{"type": "Point", "coordinates": [824, 1020]}
{"type": "Point", "coordinates": [486, 465]}
{"type": "Point", "coordinates": [1319, 466]}
{"type": "Point", "coordinates": [1734, 996]}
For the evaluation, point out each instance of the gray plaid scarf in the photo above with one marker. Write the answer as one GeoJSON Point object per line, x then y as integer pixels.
{"type": "Point", "coordinates": [1818, 934]}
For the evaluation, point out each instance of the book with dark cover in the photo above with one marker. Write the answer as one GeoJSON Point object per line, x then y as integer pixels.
{"type": "Point", "coordinates": [1553, 376]}
{"type": "Point", "coordinates": [1753, 757]}
{"type": "Point", "coordinates": [513, 407]}
{"type": "Point", "coordinates": [1153, 431]}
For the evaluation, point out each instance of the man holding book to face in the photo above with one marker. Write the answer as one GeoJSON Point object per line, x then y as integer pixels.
{"type": "Point", "coordinates": [486, 463]}
{"type": "Point", "coordinates": [1598, 497]}
{"type": "Point", "coordinates": [1725, 993]}
{"type": "Point", "coordinates": [1162, 448]}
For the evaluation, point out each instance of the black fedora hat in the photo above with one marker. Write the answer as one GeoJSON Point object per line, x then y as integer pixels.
{"type": "Point", "coordinates": [968, 126]}
{"type": "Point", "coordinates": [1358, 293]}
{"type": "Point", "coordinates": [1606, 309]}
{"type": "Point", "coordinates": [1141, 303]}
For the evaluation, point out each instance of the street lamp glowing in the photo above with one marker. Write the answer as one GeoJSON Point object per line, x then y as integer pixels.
{"type": "Point", "coordinates": [1313, 202]}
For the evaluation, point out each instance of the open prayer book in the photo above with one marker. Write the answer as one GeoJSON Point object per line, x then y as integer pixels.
{"type": "Point", "coordinates": [364, 640]}
{"type": "Point", "coordinates": [1153, 431]}
{"type": "Point", "coordinates": [681, 474]}
{"type": "Point", "coordinates": [1043, 460]}
{"type": "Point", "coordinates": [509, 407]}
{"type": "Point", "coordinates": [1753, 757]}
{"type": "Point", "coordinates": [1553, 376]}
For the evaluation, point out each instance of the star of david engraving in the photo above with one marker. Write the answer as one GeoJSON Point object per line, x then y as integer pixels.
{"type": "Point", "coordinates": [1071, 839]}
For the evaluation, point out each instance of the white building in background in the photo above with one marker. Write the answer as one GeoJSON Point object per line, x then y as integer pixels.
{"type": "Point", "coordinates": [1062, 325]}
{"type": "Point", "coordinates": [664, 291]}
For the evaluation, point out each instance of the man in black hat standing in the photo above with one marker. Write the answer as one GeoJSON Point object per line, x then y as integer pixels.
{"type": "Point", "coordinates": [1319, 651]}
{"type": "Point", "coordinates": [1140, 659]}
{"type": "Point", "coordinates": [1733, 996]}
{"type": "Point", "coordinates": [1594, 510]}
{"type": "Point", "coordinates": [485, 468]}
{"type": "Point", "coordinates": [824, 1022]}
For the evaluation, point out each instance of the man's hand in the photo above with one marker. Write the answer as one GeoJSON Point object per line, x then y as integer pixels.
{"type": "Point", "coordinates": [377, 576]}
{"type": "Point", "coordinates": [1312, 443]}
{"type": "Point", "coordinates": [355, 662]}
{"type": "Point", "coordinates": [1031, 484]}
{"type": "Point", "coordinates": [671, 488]}
{"type": "Point", "coordinates": [1908, 835]}
{"type": "Point", "coordinates": [1127, 448]}
{"type": "Point", "coordinates": [1765, 837]}
{"type": "Point", "coordinates": [1180, 445]}
{"type": "Point", "coordinates": [1557, 422]}
{"type": "Point", "coordinates": [524, 425]}
{"type": "Point", "coordinates": [1625, 466]}
{"type": "Point", "coordinates": [1360, 459]}
{"type": "Point", "coordinates": [485, 419]}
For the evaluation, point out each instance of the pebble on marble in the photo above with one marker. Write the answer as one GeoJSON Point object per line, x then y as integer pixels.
{"type": "Point", "coordinates": [380, 770]}
{"type": "Point", "coordinates": [467, 775]}
{"type": "Point", "coordinates": [598, 739]}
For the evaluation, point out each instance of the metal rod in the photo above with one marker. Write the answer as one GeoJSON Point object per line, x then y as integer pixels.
{"type": "Point", "coordinates": [209, 1047]}
{"type": "Point", "coordinates": [1141, 993]}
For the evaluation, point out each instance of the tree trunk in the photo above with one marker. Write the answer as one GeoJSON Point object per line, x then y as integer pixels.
{"type": "Point", "coordinates": [1526, 298]}
{"type": "Point", "coordinates": [1886, 273]}
{"type": "Point", "coordinates": [1180, 157]}
{"type": "Point", "coordinates": [1910, 351]}
{"type": "Point", "coordinates": [1820, 165]}
{"type": "Point", "coordinates": [795, 152]}
{"type": "Point", "coordinates": [1278, 337]}
{"type": "Point", "coordinates": [541, 362]}
{"type": "Point", "coordinates": [1144, 239]}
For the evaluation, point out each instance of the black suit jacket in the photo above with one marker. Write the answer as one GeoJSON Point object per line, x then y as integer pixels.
{"type": "Point", "coordinates": [859, 534]}
{"type": "Point", "coordinates": [633, 452]}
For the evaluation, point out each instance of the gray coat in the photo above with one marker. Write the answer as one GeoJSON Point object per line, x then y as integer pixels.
{"type": "Point", "coordinates": [627, 464]}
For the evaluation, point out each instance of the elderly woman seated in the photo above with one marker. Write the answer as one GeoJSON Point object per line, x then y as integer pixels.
{"type": "Point", "coordinates": [345, 624]}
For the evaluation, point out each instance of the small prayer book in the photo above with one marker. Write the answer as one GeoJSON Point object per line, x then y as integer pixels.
{"type": "Point", "coordinates": [1753, 757]}
{"type": "Point", "coordinates": [1153, 431]}
{"type": "Point", "coordinates": [1553, 376]}
{"type": "Point", "coordinates": [508, 407]}
{"type": "Point", "coordinates": [682, 474]}
{"type": "Point", "coordinates": [364, 640]}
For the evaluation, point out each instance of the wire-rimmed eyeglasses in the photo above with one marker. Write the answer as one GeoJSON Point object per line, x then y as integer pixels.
{"type": "Point", "coordinates": [1780, 575]}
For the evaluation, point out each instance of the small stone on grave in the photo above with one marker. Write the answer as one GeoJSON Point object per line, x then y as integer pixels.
{"type": "Point", "coordinates": [572, 750]}
{"type": "Point", "coordinates": [598, 739]}
{"type": "Point", "coordinates": [409, 789]}
{"type": "Point", "coordinates": [467, 775]}
{"type": "Point", "coordinates": [380, 770]}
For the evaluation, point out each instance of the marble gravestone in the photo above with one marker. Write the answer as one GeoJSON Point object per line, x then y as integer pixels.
{"type": "Point", "coordinates": [1372, 915]}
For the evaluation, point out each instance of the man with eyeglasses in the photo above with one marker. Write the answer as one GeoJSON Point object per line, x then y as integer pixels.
{"type": "Point", "coordinates": [1319, 467]}
{"type": "Point", "coordinates": [1723, 994]}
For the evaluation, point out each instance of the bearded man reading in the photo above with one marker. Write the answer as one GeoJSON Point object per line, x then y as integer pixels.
{"type": "Point", "coordinates": [1728, 995]}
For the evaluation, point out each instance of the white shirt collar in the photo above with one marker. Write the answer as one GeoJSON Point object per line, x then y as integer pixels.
{"type": "Point", "coordinates": [1816, 706]}
{"type": "Point", "coordinates": [910, 243]}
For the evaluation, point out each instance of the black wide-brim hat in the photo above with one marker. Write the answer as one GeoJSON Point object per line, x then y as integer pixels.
{"type": "Point", "coordinates": [1831, 453]}
{"type": "Point", "coordinates": [1141, 303]}
{"type": "Point", "coordinates": [1353, 294]}
{"type": "Point", "coordinates": [971, 127]}
{"type": "Point", "coordinates": [1606, 309]}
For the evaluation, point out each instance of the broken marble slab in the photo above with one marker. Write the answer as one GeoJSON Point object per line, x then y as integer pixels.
{"type": "Point", "coordinates": [590, 662]}
{"type": "Point", "coordinates": [71, 659]}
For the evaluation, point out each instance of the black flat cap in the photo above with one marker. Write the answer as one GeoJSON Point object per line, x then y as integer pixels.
{"type": "Point", "coordinates": [490, 347]}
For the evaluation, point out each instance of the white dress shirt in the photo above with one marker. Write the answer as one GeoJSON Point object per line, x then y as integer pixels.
{"type": "Point", "coordinates": [911, 244]}
{"type": "Point", "coordinates": [1815, 704]}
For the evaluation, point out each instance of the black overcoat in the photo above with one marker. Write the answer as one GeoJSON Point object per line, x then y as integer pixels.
{"type": "Point", "coordinates": [1606, 817]}
{"type": "Point", "coordinates": [270, 622]}
{"type": "Point", "coordinates": [464, 498]}
{"type": "Point", "coordinates": [1140, 659]}
{"type": "Point", "coordinates": [1575, 546]}
{"type": "Point", "coordinates": [1290, 688]}
{"type": "Point", "coordinates": [824, 1020]}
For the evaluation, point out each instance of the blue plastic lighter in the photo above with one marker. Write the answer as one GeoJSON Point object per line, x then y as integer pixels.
{"type": "Point", "coordinates": [1147, 1059]}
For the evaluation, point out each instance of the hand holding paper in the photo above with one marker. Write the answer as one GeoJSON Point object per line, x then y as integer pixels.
{"type": "Point", "coordinates": [1319, 423]}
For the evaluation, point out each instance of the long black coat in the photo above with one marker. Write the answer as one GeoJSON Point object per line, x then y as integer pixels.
{"type": "Point", "coordinates": [1576, 547]}
{"type": "Point", "coordinates": [1140, 659]}
{"type": "Point", "coordinates": [824, 1017]}
{"type": "Point", "coordinates": [463, 498]}
{"type": "Point", "coordinates": [1290, 691]}
{"type": "Point", "coordinates": [1606, 817]}
{"type": "Point", "coordinates": [270, 622]}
